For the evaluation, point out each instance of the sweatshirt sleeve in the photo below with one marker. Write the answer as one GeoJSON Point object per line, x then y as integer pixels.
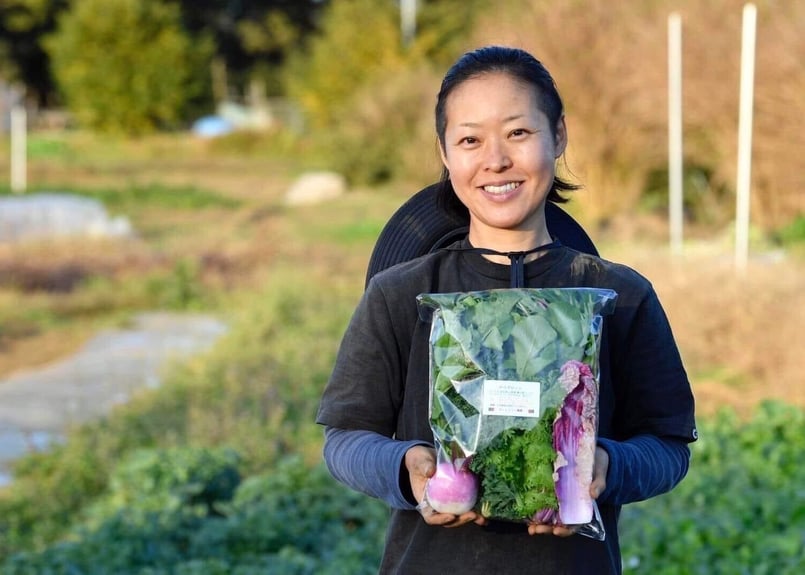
{"type": "Point", "coordinates": [642, 467]}
{"type": "Point", "coordinates": [370, 463]}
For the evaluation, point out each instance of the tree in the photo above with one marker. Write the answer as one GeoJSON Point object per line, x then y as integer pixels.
{"type": "Point", "coordinates": [252, 37]}
{"type": "Point", "coordinates": [22, 59]}
{"type": "Point", "coordinates": [127, 65]}
{"type": "Point", "coordinates": [444, 26]}
{"type": "Point", "coordinates": [344, 56]}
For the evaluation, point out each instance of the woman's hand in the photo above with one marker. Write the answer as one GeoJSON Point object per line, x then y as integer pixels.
{"type": "Point", "coordinates": [420, 461]}
{"type": "Point", "coordinates": [600, 468]}
{"type": "Point", "coordinates": [599, 483]}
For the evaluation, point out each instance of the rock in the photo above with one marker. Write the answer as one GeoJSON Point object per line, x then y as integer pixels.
{"type": "Point", "coordinates": [315, 187]}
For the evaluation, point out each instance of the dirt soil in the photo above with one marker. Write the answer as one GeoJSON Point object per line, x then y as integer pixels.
{"type": "Point", "coordinates": [740, 333]}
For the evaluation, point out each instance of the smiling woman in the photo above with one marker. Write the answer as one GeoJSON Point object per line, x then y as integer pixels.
{"type": "Point", "coordinates": [500, 149]}
{"type": "Point", "coordinates": [501, 130]}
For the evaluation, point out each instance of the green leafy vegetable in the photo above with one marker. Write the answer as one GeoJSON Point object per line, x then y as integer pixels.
{"type": "Point", "coordinates": [525, 336]}
{"type": "Point", "coordinates": [516, 470]}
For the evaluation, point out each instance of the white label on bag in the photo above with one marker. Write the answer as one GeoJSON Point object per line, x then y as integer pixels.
{"type": "Point", "coordinates": [511, 398]}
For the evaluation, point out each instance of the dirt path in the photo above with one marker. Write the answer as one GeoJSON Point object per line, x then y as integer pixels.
{"type": "Point", "coordinates": [37, 405]}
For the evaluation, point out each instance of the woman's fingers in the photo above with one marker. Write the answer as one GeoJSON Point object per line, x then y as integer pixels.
{"type": "Point", "coordinates": [545, 529]}
{"type": "Point", "coordinates": [433, 517]}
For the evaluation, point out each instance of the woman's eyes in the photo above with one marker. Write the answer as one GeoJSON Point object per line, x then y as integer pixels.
{"type": "Point", "coordinates": [473, 140]}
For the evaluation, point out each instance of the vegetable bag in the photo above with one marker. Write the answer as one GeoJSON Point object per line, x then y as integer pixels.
{"type": "Point", "coordinates": [514, 379]}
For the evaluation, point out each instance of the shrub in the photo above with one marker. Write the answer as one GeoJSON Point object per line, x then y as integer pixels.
{"type": "Point", "coordinates": [126, 65]}
{"type": "Point", "coordinates": [323, 83]}
{"type": "Point", "coordinates": [292, 520]}
{"type": "Point", "coordinates": [387, 131]}
{"type": "Point", "coordinates": [167, 480]}
{"type": "Point", "coordinates": [740, 510]}
{"type": "Point", "coordinates": [371, 109]}
{"type": "Point", "coordinates": [793, 233]}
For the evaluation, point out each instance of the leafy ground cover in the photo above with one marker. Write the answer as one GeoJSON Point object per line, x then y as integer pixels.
{"type": "Point", "coordinates": [218, 471]}
{"type": "Point", "coordinates": [740, 510]}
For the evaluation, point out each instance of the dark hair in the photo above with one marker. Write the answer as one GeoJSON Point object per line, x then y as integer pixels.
{"type": "Point", "coordinates": [522, 66]}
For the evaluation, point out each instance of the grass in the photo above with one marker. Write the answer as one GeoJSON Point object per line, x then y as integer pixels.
{"type": "Point", "coordinates": [739, 332]}
{"type": "Point", "coordinates": [793, 233]}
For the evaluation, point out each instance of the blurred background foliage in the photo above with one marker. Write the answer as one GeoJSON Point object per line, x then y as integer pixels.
{"type": "Point", "coordinates": [133, 70]}
{"type": "Point", "coordinates": [218, 470]}
{"type": "Point", "coordinates": [352, 95]}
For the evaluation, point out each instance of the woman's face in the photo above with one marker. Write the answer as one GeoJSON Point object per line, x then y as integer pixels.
{"type": "Point", "coordinates": [501, 152]}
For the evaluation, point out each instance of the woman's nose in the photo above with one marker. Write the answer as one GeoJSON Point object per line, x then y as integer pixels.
{"type": "Point", "coordinates": [497, 157]}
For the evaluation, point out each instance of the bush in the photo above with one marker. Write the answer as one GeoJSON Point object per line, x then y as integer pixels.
{"type": "Point", "coordinates": [168, 480]}
{"type": "Point", "coordinates": [127, 65]}
{"type": "Point", "coordinates": [740, 510]}
{"type": "Point", "coordinates": [387, 131]}
{"type": "Point", "coordinates": [704, 201]}
{"type": "Point", "coordinates": [343, 57]}
{"type": "Point", "coordinates": [793, 233]}
{"type": "Point", "coordinates": [170, 512]}
{"type": "Point", "coordinates": [371, 109]}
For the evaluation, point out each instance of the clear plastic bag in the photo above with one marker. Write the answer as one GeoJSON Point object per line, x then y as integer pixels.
{"type": "Point", "coordinates": [514, 392]}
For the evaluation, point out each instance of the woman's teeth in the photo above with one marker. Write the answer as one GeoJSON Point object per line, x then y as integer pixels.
{"type": "Point", "coordinates": [500, 189]}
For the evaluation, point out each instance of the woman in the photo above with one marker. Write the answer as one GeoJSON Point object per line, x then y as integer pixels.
{"type": "Point", "coordinates": [501, 129]}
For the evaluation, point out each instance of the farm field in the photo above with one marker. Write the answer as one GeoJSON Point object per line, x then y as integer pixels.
{"type": "Point", "coordinates": [215, 236]}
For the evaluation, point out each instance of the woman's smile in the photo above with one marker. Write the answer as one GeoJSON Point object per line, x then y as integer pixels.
{"type": "Point", "coordinates": [500, 189]}
{"type": "Point", "coordinates": [500, 151]}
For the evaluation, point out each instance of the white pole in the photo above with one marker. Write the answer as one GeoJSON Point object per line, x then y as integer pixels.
{"type": "Point", "coordinates": [745, 137]}
{"type": "Point", "coordinates": [675, 162]}
{"type": "Point", "coordinates": [18, 145]}
{"type": "Point", "coordinates": [408, 20]}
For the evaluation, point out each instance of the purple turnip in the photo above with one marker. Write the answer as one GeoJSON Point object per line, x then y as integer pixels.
{"type": "Point", "coordinates": [453, 488]}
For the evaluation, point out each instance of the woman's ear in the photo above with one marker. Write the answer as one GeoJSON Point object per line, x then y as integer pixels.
{"type": "Point", "coordinates": [442, 154]}
{"type": "Point", "coordinates": [560, 140]}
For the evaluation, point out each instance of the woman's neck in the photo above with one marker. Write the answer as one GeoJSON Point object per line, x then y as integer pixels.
{"type": "Point", "coordinates": [507, 241]}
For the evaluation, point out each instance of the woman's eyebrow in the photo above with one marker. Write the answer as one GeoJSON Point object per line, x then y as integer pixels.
{"type": "Point", "coordinates": [505, 121]}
